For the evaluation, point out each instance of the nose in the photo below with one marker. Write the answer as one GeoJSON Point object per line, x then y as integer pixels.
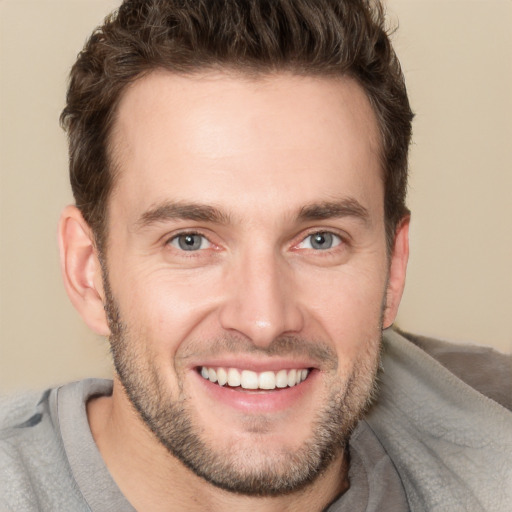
{"type": "Point", "coordinates": [261, 303]}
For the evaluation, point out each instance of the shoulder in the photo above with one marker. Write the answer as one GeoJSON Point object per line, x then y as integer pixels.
{"type": "Point", "coordinates": [23, 417]}
{"type": "Point", "coordinates": [483, 368]}
{"type": "Point", "coordinates": [15, 407]}
{"type": "Point", "coordinates": [33, 462]}
{"type": "Point", "coordinates": [441, 415]}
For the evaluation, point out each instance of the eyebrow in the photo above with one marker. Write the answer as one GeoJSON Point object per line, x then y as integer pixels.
{"type": "Point", "coordinates": [181, 211]}
{"type": "Point", "coordinates": [346, 207]}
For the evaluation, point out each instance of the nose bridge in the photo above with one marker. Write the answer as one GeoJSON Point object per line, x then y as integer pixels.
{"type": "Point", "coordinates": [260, 304]}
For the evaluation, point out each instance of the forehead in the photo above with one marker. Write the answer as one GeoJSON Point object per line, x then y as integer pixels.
{"type": "Point", "coordinates": [215, 136]}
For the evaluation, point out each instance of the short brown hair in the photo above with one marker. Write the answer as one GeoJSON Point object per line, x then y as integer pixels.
{"type": "Point", "coordinates": [307, 37]}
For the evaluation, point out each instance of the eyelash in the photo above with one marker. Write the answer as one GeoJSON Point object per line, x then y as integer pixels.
{"type": "Point", "coordinates": [325, 234]}
{"type": "Point", "coordinates": [342, 241]}
{"type": "Point", "coordinates": [175, 238]}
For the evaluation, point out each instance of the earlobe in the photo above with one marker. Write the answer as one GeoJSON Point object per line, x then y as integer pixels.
{"type": "Point", "coordinates": [81, 269]}
{"type": "Point", "coordinates": [397, 271]}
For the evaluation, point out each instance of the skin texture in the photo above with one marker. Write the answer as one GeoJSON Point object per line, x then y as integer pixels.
{"type": "Point", "coordinates": [254, 168]}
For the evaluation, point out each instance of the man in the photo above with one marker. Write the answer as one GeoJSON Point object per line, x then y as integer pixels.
{"type": "Point", "coordinates": [240, 234]}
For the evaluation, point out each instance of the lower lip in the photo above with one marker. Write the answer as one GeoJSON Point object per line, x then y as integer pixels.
{"type": "Point", "coordinates": [258, 401]}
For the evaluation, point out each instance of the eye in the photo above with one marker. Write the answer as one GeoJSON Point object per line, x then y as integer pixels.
{"type": "Point", "coordinates": [320, 241]}
{"type": "Point", "coordinates": [190, 242]}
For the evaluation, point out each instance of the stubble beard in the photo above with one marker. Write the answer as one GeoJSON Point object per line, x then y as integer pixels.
{"type": "Point", "coordinates": [253, 471]}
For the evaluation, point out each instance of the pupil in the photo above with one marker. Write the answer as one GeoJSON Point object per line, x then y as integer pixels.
{"type": "Point", "coordinates": [322, 241]}
{"type": "Point", "coordinates": [189, 242]}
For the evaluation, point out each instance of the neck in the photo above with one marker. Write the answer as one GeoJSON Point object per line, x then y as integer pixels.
{"type": "Point", "coordinates": [154, 480]}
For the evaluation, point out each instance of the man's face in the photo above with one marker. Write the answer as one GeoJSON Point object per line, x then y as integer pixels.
{"type": "Point", "coordinates": [247, 270]}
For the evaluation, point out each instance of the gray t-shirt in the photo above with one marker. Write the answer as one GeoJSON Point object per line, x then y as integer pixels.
{"type": "Point", "coordinates": [49, 460]}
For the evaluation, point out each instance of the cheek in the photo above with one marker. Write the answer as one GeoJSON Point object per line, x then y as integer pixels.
{"type": "Point", "coordinates": [347, 306]}
{"type": "Point", "coordinates": [169, 306]}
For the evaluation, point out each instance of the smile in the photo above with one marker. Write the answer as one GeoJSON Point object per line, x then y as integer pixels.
{"type": "Point", "coordinates": [247, 379]}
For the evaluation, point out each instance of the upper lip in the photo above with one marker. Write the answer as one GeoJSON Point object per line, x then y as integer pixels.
{"type": "Point", "coordinates": [242, 362]}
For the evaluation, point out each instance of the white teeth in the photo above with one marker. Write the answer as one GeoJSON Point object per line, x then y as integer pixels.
{"type": "Point", "coordinates": [292, 378]}
{"type": "Point", "coordinates": [248, 379]}
{"type": "Point", "coordinates": [222, 376]}
{"type": "Point", "coordinates": [267, 380]}
{"type": "Point", "coordinates": [282, 379]}
{"type": "Point", "coordinates": [233, 377]}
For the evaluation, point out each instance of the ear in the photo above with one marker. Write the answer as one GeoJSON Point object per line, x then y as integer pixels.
{"type": "Point", "coordinates": [397, 271]}
{"type": "Point", "coordinates": [81, 269]}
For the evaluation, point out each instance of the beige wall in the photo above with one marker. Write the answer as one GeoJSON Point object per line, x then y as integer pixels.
{"type": "Point", "coordinates": [457, 57]}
